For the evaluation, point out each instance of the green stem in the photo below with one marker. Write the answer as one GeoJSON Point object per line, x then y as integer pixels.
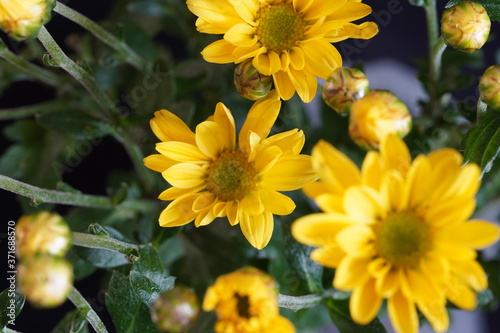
{"type": "Point", "coordinates": [434, 76]}
{"type": "Point", "coordinates": [296, 303]}
{"type": "Point", "coordinates": [130, 55]}
{"type": "Point", "coordinates": [60, 59]}
{"type": "Point", "coordinates": [81, 303]}
{"type": "Point", "coordinates": [432, 23]}
{"type": "Point", "coordinates": [104, 243]}
{"type": "Point", "coordinates": [39, 195]}
{"type": "Point", "coordinates": [30, 110]}
{"type": "Point", "coordinates": [28, 68]}
{"type": "Point", "coordinates": [8, 330]}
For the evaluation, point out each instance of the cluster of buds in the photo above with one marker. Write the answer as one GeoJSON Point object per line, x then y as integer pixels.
{"type": "Point", "coordinates": [21, 19]}
{"type": "Point", "coordinates": [44, 276]}
{"type": "Point", "coordinates": [465, 26]}
{"type": "Point", "coordinates": [175, 310]}
{"type": "Point", "coordinates": [373, 114]}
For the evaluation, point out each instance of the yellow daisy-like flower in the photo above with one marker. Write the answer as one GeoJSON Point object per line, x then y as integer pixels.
{"type": "Point", "coordinates": [212, 175]}
{"type": "Point", "coordinates": [398, 230]}
{"type": "Point", "coordinates": [288, 39]}
{"type": "Point", "coordinates": [246, 301]}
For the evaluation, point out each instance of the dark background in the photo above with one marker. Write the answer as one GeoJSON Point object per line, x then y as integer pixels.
{"type": "Point", "coordinates": [402, 38]}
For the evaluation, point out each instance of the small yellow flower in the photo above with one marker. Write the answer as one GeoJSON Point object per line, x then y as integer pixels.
{"type": "Point", "coordinates": [45, 280]}
{"type": "Point", "coordinates": [489, 87]}
{"type": "Point", "coordinates": [246, 301]}
{"type": "Point", "coordinates": [398, 230]}
{"type": "Point", "coordinates": [290, 40]}
{"type": "Point", "coordinates": [23, 18]}
{"type": "Point", "coordinates": [465, 26]}
{"type": "Point", "coordinates": [375, 115]}
{"type": "Point", "coordinates": [214, 175]}
{"type": "Point", "coordinates": [43, 232]}
{"type": "Point", "coordinates": [343, 87]}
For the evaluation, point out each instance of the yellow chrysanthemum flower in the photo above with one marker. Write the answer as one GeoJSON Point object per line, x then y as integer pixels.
{"type": "Point", "coordinates": [398, 230]}
{"type": "Point", "coordinates": [246, 301]}
{"type": "Point", "coordinates": [289, 40]}
{"type": "Point", "coordinates": [212, 175]}
{"type": "Point", "coordinates": [23, 18]}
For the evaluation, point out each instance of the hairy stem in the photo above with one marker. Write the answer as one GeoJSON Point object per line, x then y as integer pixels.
{"type": "Point", "coordinates": [81, 303]}
{"type": "Point", "coordinates": [103, 242]}
{"type": "Point", "coordinates": [31, 110]}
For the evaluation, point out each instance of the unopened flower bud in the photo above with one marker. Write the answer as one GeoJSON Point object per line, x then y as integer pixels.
{"type": "Point", "coordinates": [23, 18]}
{"type": "Point", "coordinates": [489, 87]}
{"type": "Point", "coordinates": [250, 83]}
{"type": "Point", "coordinates": [175, 310]}
{"type": "Point", "coordinates": [377, 114]}
{"type": "Point", "coordinates": [43, 232]}
{"type": "Point", "coordinates": [465, 26]}
{"type": "Point", "coordinates": [45, 280]}
{"type": "Point", "coordinates": [343, 87]}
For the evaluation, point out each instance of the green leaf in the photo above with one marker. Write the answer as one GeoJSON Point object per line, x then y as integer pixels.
{"type": "Point", "coordinates": [491, 6]}
{"type": "Point", "coordinates": [339, 312]}
{"type": "Point", "coordinates": [101, 258]}
{"type": "Point", "coordinates": [482, 143]}
{"type": "Point", "coordinates": [73, 322]}
{"type": "Point", "coordinates": [150, 265]}
{"type": "Point", "coordinates": [76, 124]}
{"type": "Point", "coordinates": [128, 311]}
{"type": "Point", "coordinates": [11, 303]}
{"type": "Point", "coordinates": [149, 8]}
{"type": "Point", "coordinates": [147, 290]}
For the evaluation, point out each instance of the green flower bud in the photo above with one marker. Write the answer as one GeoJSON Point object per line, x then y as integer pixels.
{"type": "Point", "coordinates": [465, 26]}
{"type": "Point", "coordinates": [375, 115]}
{"type": "Point", "coordinates": [43, 232]}
{"type": "Point", "coordinates": [45, 280]}
{"type": "Point", "coordinates": [175, 310]}
{"type": "Point", "coordinates": [23, 18]}
{"type": "Point", "coordinates": [343, 87]}
{"type": "Point", "coordinates": [250, 83]}
{"type": "Point", "coordinates": [489, 87]}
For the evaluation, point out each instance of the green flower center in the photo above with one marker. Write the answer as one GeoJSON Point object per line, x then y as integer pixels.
{"type": "Point", "coordinates": [403, 239]}
{"type": "Point", "coordinates": [231, 176]}
{"type": "Point", "coordinates": [243, 305]}
{"type": "Point", "coordinates": [280, 27]}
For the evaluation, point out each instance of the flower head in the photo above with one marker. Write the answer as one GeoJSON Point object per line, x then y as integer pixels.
{"type": "Point", "coordinates": [375, 115]}
{"type": "Point", "coordinates": [45, 280]}
{"type": "Point", "coordinates": [246, 301]}
{"type": "Point", "coordinates": [43, 232]}
{"type": "Point", "coordinates": [215, 175]}
{"type": "Point", "coordinates": [289, 40]}
{"type": "Point", "coordinates": [343, 87]}
{"type": "Point", "coordinates": [489, 87]}
{"type": "Point", "coordinates": [23, 18]}
{"type": "Point", "coordinates": [465, 26]}
{"type": "Point", "coordinates": [398, 230]}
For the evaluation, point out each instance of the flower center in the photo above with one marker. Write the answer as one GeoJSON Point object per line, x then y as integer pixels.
{"type": "Point", "coordinates": [231, 176]}
{"type": "Point", "coordinates": [280, 27]}
{"type": "Point", "coordinates": [243, 305]}
{"type": "Point", "coordinates": [403, 239]}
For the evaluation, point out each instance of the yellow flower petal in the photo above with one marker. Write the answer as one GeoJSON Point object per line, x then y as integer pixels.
{"type": "Point", "coordinates": [260, 118]}
{"type": "Point", "coordinates": [328, 203]}
{"type": "Point", "coordinates": [436, 314]}
{"type": "Point", "coordinates": [477, 234]}
{"type": "Point", "coordinates": [305, 83]}
{"type": "Point", "coordinates": [472, 273]}
{"type": "Point", "coordinates": [241, 34]}
{"type": "Point", "coordinates": [395, 154]}
{"type": "Point", "coordinates": [204, 217]}
{"type": "Point", "coordinates": [257, 229]}
{"type": "Point", "coordinates": [317, 9]}
{"type": "Point", "coordinates": [280, 324]}
{"type": "Point", "coordinates": [417, 186]}
{"type": "Point", "coordinates": [328, 256]}
{"type": "Point", "coordinates": [276, 202]}
{"type": "Point", "coordinates": [371, 170]}
{"type": "Point", "coordinates": [459, 293]}
{"type": "Point", "coordinates": [185, 175]}
{"type": "Point", "coordinates": [321, 57]}
{"type": "Point", "coordinates": [450, 213]}
{"type": "Point", "coordinates": [357, 240]}
{"type": "Point", "coordinates": [366, 30]}
{"type": "Point", "coordinates": [252, 204]}
{"type": "Point", "coordinates": [297, 58]}
{"type": "Point", "coordinates": [180, 151]}
{"type": "Point", "coordinates": [173, 193]}
{"type": "Point", "coordinates": [291, 141]}
{"type": "Point", "coordinates": [224, 118]}
{"type": "Point", "coordinates": [365, 303]}
{"type": "Point", "coordinates": [360, 205]}
{"type": "Point", "coordinates": [167, 126]}
{"type": "Point", "coordinates": [232, 213]}
{"type": "Point", "coordinates": [179, 212]}
{"type": "Point", "coordinates": [219, 52]}
{"type": "Point", "coordinates": [267, 63]}
{"type": "Point", "coordinates": [158, 162]}
{"type": "Point", "coordinates": [351, 11]}
{"type": "Point", "coordinates": [204, 201]}
{"type": "Point", "coordinates": [403, 313]}
{"type": "Point", "coordinates": [283, 85]}
{"type": "Point", "coordinates": [454, 251]}
{"type": "Point", "coordinates": [209, 139]}
{"type": "Point", "coordinates": [318, 229]}
{"type": "Point", "coordinates": [218, 13]}
{"type": "Point", "coordinates": [267, 158]}
{"type": "Point", "coordinates": [351, 273]}
{"type": "Point", "coordinates": [246, 9]}
{"type": "Point", "coordinates": [291, 172]}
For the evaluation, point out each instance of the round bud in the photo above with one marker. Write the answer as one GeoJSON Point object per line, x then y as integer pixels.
{"type": "Point", "coordinates": [250, 83]}
{"type": "Point", "coordinates": [343, 87]}
{"type": "Point", "coordinates": [375, 115]}
{"type": "Point", "coordinates": [489, 87]}
{"type": "Point", "coordinates": [465, 26]}
{"type": "Point", "coordinates": [175, 310]}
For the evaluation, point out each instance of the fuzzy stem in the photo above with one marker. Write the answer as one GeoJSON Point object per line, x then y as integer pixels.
{"type": "Point", "coordinates": [81, 303]}
{"type": "Point", "coordinates": [30, 110]}
{"type": "Point", "coordinates": [39, 195]}
{"type": "Point", "coordinates": [103, 242]}
{"type": "Point", "coordinates": [296, 303]}
{"type": "Point", "coordinates": [434, 76]}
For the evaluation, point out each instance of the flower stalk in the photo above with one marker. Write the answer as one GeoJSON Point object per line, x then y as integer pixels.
{"type": "Point", "coordinates": [103, 35]}
{"type": "Point", "coordinates": [434, 76]}
{"type": "Point", "coordinates": [31, 110]}
{"type": "Point", "coordinates": [81, 303]}
{"type": "Point", "coordinates": [40, 195]}
{"type": "Point", "coordinates": [296, 303]}
{"type": "Point", "coordinates": [103, 243]}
